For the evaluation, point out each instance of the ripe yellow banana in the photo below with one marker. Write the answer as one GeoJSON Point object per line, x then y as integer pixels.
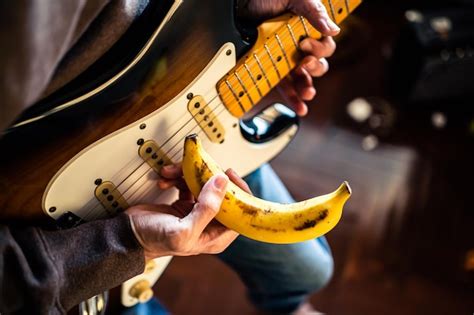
{"type": "Point", "coordinates": [260, 219]}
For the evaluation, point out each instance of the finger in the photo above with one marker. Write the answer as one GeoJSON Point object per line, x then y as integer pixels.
{"type": "Point", "coordinates": [171, 171]}
{"type": "Point", "coordinates": [317, 15]}
{"type": "Point", "coordinates": [323, 48]}
{"type": "Point", "coordinates": [303, 84]}
{"type": "Point", "coordinates": [216, 237]}
{"type": "Point", "coordinates": [236, 179]}
{"type": "Point", "coordinates": [209, 203]}
{"type": "Point", "coordinates": [289, 94]}
{"type": "Point", "coordinates": [314, 67]}
{"type": "Point", "coordinates": [179, 183]}
{"type": "Point", "coordinates": [220, 242]}
{"type": "Point", "coordinates": [164, 184]}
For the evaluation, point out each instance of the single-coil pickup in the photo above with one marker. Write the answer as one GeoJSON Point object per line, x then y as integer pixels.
{"type": "Point", "coordinates": [151, 153]}
{"type": "Point", "coordinates": [203, 114]}
{"type": "Point", "coordinates": [110, 198]}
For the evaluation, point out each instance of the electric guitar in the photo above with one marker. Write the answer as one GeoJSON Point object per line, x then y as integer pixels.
{"type": "Point", "coordinates": [95, 147]}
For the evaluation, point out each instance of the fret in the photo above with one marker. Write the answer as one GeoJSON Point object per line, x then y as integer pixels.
{"type": "Point", "coordinates": [243, 86]}
{"type": "Point", "coordinates": [290, 29]}
{"type": "Point", "coordinates": [331, 10]}
{"type": "Point", "coordinates": [347, 6]}
{"type": "Point", "coordinates": [253, 79]}
{"type": "Point", "coordinates": [262, 70]}
{"type": "Point", "coordinates": [272, 60]}
{"type": "Point", "coordinates": [235, 95]}
{"type": "Point", "coordinates": [283, 50]}
{"type": "Point", "coordinates": [304, 25]}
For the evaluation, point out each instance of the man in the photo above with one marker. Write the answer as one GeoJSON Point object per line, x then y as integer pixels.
{"type": "Point", "coordinates": [48, 272]}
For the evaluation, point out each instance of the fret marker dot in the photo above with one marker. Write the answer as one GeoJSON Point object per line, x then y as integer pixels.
{"type": "Point", "coordinates": [339, 11]}
{"type": "Point", "coordinates": [259, 77]}
{"type": "Point", "coordinates": [241, 94]}
{"type": "Point", "coordinates": [279, 58]}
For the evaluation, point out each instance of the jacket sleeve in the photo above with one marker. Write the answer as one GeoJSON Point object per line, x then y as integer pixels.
{"type": "Point", "coordinates": [49, 272]}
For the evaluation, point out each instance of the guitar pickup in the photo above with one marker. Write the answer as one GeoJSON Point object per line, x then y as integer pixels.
{"type": "Point", "coordinates": [151, 153]}
{"type": "Point", "coordinates": [110, 198]}
{"type": "Point", "coordinates": [204, 115]}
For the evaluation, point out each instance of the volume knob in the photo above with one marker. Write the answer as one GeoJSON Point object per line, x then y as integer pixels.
{"type": "Point", "coordinates": [142, 291]}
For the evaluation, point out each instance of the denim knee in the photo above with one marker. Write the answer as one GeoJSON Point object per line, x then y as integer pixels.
{"type": "Point", "coordinates": [318, 275]}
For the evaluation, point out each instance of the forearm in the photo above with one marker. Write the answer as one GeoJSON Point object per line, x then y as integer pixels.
{"type": "Point", "coordinates": [49, 272]}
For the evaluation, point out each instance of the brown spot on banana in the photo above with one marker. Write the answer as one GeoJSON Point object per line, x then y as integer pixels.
{"type": "Point", "coordinates": [312, 223]}
{"type": "Point", "coordinates": [266, 228]}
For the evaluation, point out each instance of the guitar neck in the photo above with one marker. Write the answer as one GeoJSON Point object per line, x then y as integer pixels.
{"type": "Point", "coordinates": [273, 56]}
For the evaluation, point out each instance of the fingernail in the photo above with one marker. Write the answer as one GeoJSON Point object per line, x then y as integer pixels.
{"type": "Point", "coordinates": [333, 26]}
{"type": "Point", "coordinates": [220, 182]}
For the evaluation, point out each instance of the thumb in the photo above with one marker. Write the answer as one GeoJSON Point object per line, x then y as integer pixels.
{"type": "Point", "coordinates": [316, 13]}
{"type": "Point", "coordinates": [208, 203]}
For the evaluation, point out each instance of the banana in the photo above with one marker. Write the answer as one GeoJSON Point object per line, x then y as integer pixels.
{"type": "Point", "coordinates": [259, 219]}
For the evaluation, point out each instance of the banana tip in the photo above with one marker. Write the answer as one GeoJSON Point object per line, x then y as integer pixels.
{"type": "Point", "coordinates": [348, 187]}
{"type": "Point", "coordinates": [192, 137]}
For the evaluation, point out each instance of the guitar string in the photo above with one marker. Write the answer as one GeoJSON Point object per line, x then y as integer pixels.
{"type": "Point", "coordinates": [251, 88]}
{"type": "Point", "coordinates": [145, 190]}
{"type": "Point", "coordinates": [219, 104]}
{"type": "Point", "coordinates": [272, 66]}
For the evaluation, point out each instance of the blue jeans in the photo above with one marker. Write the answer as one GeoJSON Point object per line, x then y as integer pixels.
{"type": "Point", "coordinates": [278, 277]}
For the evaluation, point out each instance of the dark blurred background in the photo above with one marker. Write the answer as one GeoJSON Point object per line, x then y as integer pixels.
{"type": "Point", "coordinates": [395, 117]}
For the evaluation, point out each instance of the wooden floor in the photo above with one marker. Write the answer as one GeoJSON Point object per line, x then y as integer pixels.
{"type": "Point", "coordinates": [402, 244]}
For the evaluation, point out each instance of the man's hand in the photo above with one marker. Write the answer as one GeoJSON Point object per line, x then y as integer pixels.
{"type": "Point", "coordinates": [186, 227]}
{"type": "Point", "coordinates": [299, 87]}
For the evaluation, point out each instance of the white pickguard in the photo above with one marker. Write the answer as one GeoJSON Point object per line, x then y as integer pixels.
{"type": "Point", "coordinates": [115, 157]}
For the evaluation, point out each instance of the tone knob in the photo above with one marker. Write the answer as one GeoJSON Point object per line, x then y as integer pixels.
{"type": "Point", "coordinates": [142, 291]}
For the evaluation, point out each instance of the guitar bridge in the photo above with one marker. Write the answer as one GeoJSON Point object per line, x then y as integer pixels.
{"type": "Point", "coordinates": [203, 114]}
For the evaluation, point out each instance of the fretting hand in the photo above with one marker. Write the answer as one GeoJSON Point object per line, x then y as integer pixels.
{"type": "Point", "coordinates": [299, 88]}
